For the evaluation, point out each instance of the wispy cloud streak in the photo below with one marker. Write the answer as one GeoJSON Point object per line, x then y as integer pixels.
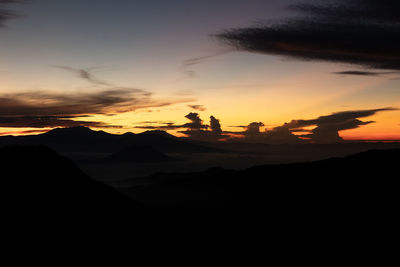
{"type": "Point", "coordinates": [188, 64]}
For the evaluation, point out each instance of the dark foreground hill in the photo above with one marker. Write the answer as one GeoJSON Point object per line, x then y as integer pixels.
{"type": "Point", "coordinates": [39, 188]}
{"type": "Point", "coordinates": [360, 189]}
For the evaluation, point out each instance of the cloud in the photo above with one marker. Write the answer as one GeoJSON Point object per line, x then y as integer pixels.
{"type": "Point", "coordinates": [50, 109]}
{"type": "Point", "coordinates": [196, 122]}
{"type": "Point", "coordinates": [153, 122]}
{"type": "Point", "coordinates": [363, 73]}
{"type": "Point", "coordinates": [33, 108]}
{"type": "Point", "coordinates": [24, 132]}
{"type": "Point", "coordinates": [360, 32]}
{"type": "Point", "coordinates": [191, 62]}
{"type": "Point", "coordinates": [48, 122]}
{"type": "Point", "coordinates": [337, 117]}
{"type": "Point", "coordinates": [328, 127]}
{"type": "Point", "coordinates": [253, 128]}
{"type": "Point", "coordinates": [198, 107]}
{"type": "Point", "coordinates": [209, 133]}
{"type": "Point", "coordinates": [166, 126]}
{"type": "Point", "coordinates": [195, 129]}
{"type": "Point", "coordinates": [329, 133]}
{"type": "Point", "coordinates": [41, 103]}
{"type": "Point", "coordinates": [371, 10]}
{"type": "Point", "coordinates": [277, 135]}
{"type": "Point", "coordinates": [215, 126]}
{"type": "Point", "coordinates": [323, 130]}
{"type": "Point", "coordinates": [281, 135]}
{"type": "Point", "coordinates": [6, 14]}
{"type": "Point", "coordinates": [85, 74]}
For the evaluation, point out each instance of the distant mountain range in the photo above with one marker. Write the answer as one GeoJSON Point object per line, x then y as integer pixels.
{"type": "Point", "coordinates": [83, 139]}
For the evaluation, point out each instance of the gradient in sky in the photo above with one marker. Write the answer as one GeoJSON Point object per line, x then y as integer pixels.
{"type": "Point", "coordinates": [119, 64]}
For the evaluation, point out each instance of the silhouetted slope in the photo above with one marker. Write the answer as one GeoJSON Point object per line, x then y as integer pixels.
{"type": "Point", "coordinates": [40, 187]}
{"type": "Point", "coordinates": [83, 139]}
{"type": "Point", "coordinates": [360, 189]}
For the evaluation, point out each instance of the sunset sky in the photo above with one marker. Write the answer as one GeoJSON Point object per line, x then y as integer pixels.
{"type": "Point", "coordinates": [122, 64]}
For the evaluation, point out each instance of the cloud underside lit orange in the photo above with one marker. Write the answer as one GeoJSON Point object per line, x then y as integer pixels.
{"type": "Point", "coordinates": [324, 129]}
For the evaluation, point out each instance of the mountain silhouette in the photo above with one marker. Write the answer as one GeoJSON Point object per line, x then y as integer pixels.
{"type": "Point", "coordinates": [83, 139]}
{"type": "Point", "coordinates": [41, 188]}
{"type": "Point", "coordinates": [158, 132]}
{"type": "Point", "coordinates": [359, 189]}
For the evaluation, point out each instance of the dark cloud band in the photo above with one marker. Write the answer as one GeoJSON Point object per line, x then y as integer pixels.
{"type": "Point", "coordinates": [47, 122]}
{"type": "Point", "coordinates": [5, 13]}
{"type": "Point", "coordinates": [364, 33]}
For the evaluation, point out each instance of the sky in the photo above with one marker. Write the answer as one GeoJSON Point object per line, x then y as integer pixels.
{"type": "Point", "coordinates": [130, 65]}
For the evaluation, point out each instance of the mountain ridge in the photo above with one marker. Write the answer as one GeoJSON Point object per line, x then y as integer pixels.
{"type": "Point", "coordinates": [78, 139]}
{"type": "Point", "coordinates": [355, 189]}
